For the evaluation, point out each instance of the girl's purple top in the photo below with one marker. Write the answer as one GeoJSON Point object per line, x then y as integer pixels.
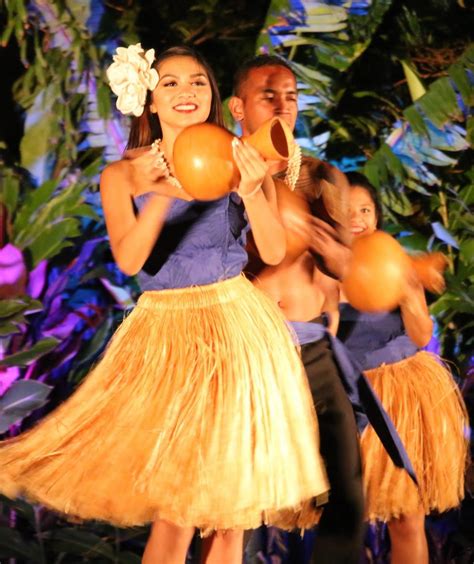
{"type": "Point", "coordinates": [374, 338]}
{"type": "Point", "coordinates": [201, 243]}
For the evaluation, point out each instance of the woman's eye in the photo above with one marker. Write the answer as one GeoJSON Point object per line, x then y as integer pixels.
{"type": "Point", "coordinates": [170, 83]}
{"type": "Point", "coordinates": [200, 83]}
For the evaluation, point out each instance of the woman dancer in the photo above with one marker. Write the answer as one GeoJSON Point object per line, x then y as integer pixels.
{"type": "Point", "coordinates": [198, 414]}
{"type": "Point", "coordinates": [419, 394]}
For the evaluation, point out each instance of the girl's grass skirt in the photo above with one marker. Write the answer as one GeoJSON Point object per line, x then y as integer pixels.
{"type": "Point", "coordinates": [427, 409]}
{"type": "Point", "coordinates": [198, 413]}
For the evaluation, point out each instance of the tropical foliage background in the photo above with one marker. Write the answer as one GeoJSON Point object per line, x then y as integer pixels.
{"type": "Point", "coordinates": [386, 87]}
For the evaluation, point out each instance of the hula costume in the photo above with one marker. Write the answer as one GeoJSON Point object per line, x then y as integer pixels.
{"type": "Point", "coordinates": [426, 407]}
{"type": "Point", "coordinates": [198, 412]}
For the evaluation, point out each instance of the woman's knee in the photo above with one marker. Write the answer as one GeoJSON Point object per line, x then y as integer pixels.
{"type": "Point", "coordinates": [408, 526]}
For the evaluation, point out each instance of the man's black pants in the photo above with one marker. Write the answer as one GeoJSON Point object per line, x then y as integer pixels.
{"type": "Point", "coordinates": [341, 528]}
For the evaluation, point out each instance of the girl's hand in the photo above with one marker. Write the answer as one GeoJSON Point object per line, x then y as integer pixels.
{"type": "Point", "coordinates": [252, 168]}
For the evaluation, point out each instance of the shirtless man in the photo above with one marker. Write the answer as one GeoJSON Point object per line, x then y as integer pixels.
{"type": "Point", "coordinates": [263, 88]}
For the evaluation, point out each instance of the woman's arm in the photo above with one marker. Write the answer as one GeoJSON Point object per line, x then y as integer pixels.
{"type": "Point", "coordinates": [257, 191]}
{"type": "Point", "coordinates": [415, 314]}
{"type": "Point", "coordinates": [131, 238]}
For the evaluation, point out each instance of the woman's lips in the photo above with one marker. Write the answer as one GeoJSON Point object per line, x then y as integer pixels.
{"type": "Point", "coordinates": [185, 108]}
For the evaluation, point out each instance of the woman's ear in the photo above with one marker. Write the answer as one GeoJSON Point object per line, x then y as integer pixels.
{"type": "Point", "coordinates": [236, 107]}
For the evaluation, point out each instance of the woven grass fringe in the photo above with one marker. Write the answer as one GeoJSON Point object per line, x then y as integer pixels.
{"type": "Point", "coordinates": [198, 413]}
{"type": "Point", "coordinates": [428, 411]}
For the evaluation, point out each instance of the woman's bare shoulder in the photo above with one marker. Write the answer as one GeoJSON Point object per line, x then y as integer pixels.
{"type": "Point", "coordinates": [116, 176]}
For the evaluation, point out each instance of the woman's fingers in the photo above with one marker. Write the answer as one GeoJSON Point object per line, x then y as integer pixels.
{"type": "Point", "coordinates": [248, 159]}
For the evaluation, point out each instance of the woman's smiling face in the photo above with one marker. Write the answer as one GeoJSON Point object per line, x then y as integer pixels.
{"type": "Point", "coordinates": [183, 95]}
{"type": "Point", "coordinates": [363, 213]}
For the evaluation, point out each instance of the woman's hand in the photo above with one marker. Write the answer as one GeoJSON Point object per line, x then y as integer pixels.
{"type": "Point", "coordinates": [147, 170]}
{"type": "Point", "coordinates": [252, 168]}
{"type": "Point", "coordinates": [415, 314]}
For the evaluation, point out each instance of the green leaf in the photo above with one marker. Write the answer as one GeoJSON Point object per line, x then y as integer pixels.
{"type": "Point", "coordinates": [25, 305]}
{"type": "Point", "coordinates": [8, 328]}
{"type": "Point", "coordinates": [24, 358]}
{"type": "Point", "coordinates": [51, 240]}
{"type": "Point", "coordinates": [37, 139]}
{"type": "Point", "coordinates": [79, 543]}
{"type": "Point", "coordinates": [19, 506]}
{"type": "Point", "coordinates": [416, 120]}
{"type": "Point", "coordinates": [12, 545]}
{"type": "Point", "coordinates": [470, 130]}
{"type": "Point", "coordinates": [10, 189]}
{"type": "Point", "coordinates": [35, 199]}
{"type": "Point", "coordinates": [439, 103]}
{"type": "Point", "coordinates": [104, 106]}
{"type": "Point", "coordinates": [460, 77]}
{"type": "Point", "coordinates": [398, 202]}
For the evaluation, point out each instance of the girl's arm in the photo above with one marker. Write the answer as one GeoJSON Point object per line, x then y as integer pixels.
{"type": "Point", "coordinates": [131, 238]}
{"type": "Point", "coordinates": [415, 314]}
{"type": "Point", "coordinates": [257, 191]}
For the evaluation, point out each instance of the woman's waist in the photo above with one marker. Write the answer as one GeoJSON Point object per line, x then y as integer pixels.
{"type": "Point", "coordinates": [196, 295]}
{"type": "Point", "coordinates": [395, 350]}
{"type": "Point", "coordinates": [182, 270]}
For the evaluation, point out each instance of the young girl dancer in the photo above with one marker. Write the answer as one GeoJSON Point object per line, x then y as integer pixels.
{"type": "Point", "coordinates": [198, 414]}
{"type": "Point", "coordinates": [419, 394]}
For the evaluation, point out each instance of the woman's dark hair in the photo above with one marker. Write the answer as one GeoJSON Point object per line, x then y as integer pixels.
{"type": "Point", "coordinates": [358, 179]}
{"type": "Point", "coordinates": [146, 128]}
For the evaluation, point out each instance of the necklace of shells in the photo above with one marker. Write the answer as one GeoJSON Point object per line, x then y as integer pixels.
{"type": "Point", "coordinates": [293, 168]}
{"type": "Point", "coordinates": [162, 160]}
{"type": "Point", "coordinates": [291, 176]}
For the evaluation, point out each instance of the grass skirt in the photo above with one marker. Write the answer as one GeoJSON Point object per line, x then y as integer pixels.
{"type": "Point", "coordinates": [198, 413]}
{"type": "Point", "coordinates": [429, 414]}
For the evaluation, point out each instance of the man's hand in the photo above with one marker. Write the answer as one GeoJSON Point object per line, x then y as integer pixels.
{"type": "Point", "coordinates": [331, 254]}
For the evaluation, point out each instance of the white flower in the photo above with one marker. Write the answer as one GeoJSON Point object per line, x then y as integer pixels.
{"type": "Point", "coordinates": [130, 76]}
{"type": "Point", "coordinates": [132, 99]}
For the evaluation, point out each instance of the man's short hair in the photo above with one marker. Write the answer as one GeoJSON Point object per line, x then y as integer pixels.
{"type": "Point", "coordinates": [255, 63]}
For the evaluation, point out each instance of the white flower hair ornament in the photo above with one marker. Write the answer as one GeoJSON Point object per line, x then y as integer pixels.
{"type": "Point", "coordinates": [130, 76]}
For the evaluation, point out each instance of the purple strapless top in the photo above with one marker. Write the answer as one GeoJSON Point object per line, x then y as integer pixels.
{"type": "Point", "coordinates": [374, 338]}
{"type": "Point", "coordinates": [201, 243]}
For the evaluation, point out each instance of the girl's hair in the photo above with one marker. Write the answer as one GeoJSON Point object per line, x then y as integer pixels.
{"type": "Point", "coordinates": [146, 128]}
{"type": "Point", "coordinates": [358, 179]}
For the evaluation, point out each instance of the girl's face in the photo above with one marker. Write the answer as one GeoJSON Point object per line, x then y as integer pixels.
{"type": "Point", "coordinates": [362, 212]}
{"type": "Point", "coordinates": [183, 95]}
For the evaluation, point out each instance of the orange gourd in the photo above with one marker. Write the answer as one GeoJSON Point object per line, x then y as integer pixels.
{"type": "Point", "coordinates": [377, 273]}
{"type": "Point", "coordinates": [203, 162]}
{"type": "Point", "coordinates": [292, 205]}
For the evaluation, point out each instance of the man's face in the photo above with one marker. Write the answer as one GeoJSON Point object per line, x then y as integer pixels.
{"type": "Point", "coordinates": [267, 92]}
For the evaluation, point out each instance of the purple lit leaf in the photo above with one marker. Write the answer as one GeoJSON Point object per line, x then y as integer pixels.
{"type": "Point", "coordinates": [121, 295]}
{"type": "Point", "coordinates": [7, 377]}
{"type": "Point", "coordinates": [37, 279]}
{"type": "Point", "coordinates": [12, 272]}
{"type": "Point", "coordinates": [63, 329]}
{"type": "Point", "coordinates": [444, 235]}
{"type": "Point", "coordinates": [20, 400]}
